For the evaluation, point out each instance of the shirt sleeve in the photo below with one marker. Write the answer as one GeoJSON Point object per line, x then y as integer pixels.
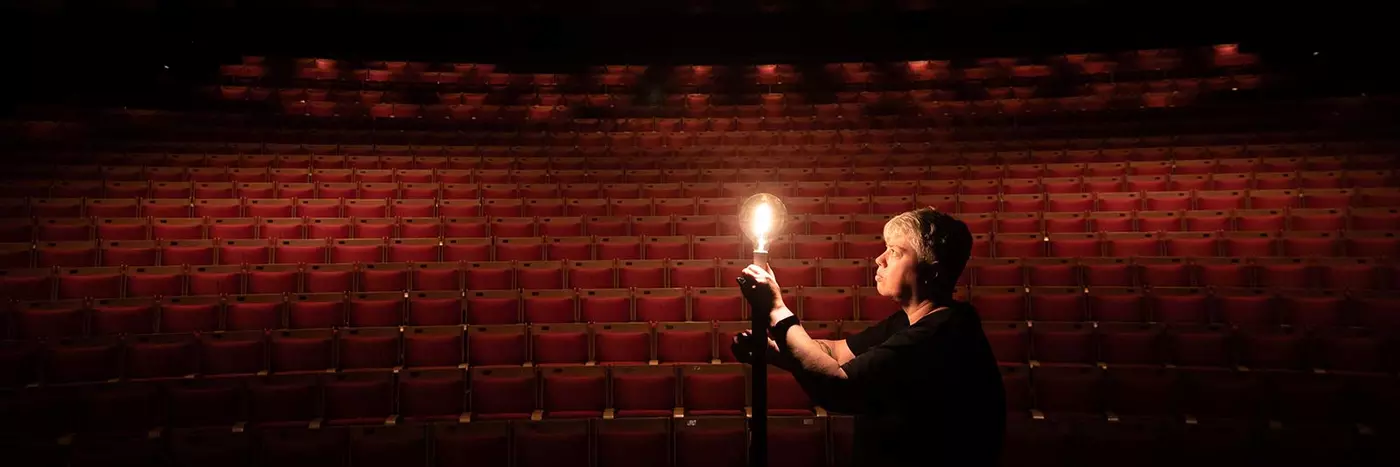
{"type": "Point", "coordinates": [869, 337]}
{"type": "Point", "coordinates": [883, 361]}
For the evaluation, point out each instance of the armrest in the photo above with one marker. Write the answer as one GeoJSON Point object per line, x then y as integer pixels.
{"type": "Point", "coordinates": [315, 424]}
{"type": "Point", "coordinates": [609, 414]}
{"type": "Point", "coordinates": [466, 417]}
{"type": "Point", "coordinates": [537, 415]}
{"type": "Point", "coordinates": [678, 412]}
{"type": "Point", "coordinates": [821, 412]}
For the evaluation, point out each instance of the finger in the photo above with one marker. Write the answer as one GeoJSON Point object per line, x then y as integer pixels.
{"type": "Point", "coordinates": [759, 270]}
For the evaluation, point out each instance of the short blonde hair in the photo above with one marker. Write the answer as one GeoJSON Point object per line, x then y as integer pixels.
{"type": "Point", "coordinates": [907, 226]}
{"type": "Point", "coordinates": [936, 239]}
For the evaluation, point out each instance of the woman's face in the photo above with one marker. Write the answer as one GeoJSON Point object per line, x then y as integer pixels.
{"type": "Point", "coordinates": [895, 271]}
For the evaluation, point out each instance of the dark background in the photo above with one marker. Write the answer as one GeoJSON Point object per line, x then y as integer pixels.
{"type": "Point", "coordinates": [91, 52]}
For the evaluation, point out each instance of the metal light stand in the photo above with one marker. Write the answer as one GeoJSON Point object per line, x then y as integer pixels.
{"type": "Point", "coordinates": [758, 382]}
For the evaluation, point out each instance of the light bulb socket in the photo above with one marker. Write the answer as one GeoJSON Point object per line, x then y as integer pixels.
{"type": "Point", "coordinates": [760, 258]}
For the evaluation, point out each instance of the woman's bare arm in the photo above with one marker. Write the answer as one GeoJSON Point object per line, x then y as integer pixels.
{"type": "Point", "coordinates": [836, 349]}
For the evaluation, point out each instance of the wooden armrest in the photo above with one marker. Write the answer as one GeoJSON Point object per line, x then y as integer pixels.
{"type": "Point", "coordinates": [391, 420]}
{"type": "Point", "coordinates": [821, 412]}
{"type": "Point", "coordinates": [609, 414]}
{"type": "Point", "coordinates": [748, 412]}
{"type": "Point", "coordinates": [537, 415]}
{"type": "Point", "coordinates": [466, 417]}
{"type": "Point", "coordinates": [239, 427]}
{"type": "Point", "coordinates": [1036, 414]}
{"type": "Point", "coordinates": [315, 424]}
{"type": "Point", "coordinates": [678, 412]}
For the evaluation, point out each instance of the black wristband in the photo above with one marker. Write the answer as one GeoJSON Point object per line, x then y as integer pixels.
{"type": "Point", "coordinates": [779, 331]}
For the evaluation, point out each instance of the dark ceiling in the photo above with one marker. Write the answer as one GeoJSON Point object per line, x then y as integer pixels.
{"type": "Point", "coordinates": [164, 43]}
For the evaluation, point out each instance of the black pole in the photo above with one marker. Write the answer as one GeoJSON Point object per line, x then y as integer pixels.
{"type": "Point", "coordinates": [758, 382]}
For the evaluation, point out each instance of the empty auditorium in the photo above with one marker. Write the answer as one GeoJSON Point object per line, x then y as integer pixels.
{"type": "Point", "coordinates": [507, 233]}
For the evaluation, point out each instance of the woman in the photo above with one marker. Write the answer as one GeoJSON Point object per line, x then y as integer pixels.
{"type": "Point", "coordinates": [923, 384]}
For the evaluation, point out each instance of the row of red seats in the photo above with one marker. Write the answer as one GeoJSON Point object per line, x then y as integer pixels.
{"type": "Point", "coordinates": [794, 441]}
{"type": "Point", "coordinates": [1287, 273]}
{"type": "Point", "coordinates": [508, 168]}
{"type": "Point", "coordinates": [812, 230]}
{"type": "Point", "coordinates": [910, 73]}
{"type": "Point", "coordinates": [657, 183]}
{"type": "Point", "coordinates": [710, 441]}
{"type": "Point", "coordinates": [1197, 209]}
{"type": "Point", "coordinates": [177, 355]}
{"type": "Point", "coordinates": [826, 115]}
{"type": "Point", "coordinates": [774, 99]}
{"type": "Point", "coordinates": [186, 153]}
{"type": "Point", "coordinates": [913, 72]}
{"type": "Point", "coordinates": [182, 136]}
{"type": "Point", "coordinates": [1246, 307]}
{"type": "Point", "coordinates": [174, 182]}
{"type": "Point", "coordinates": [1162, 193]}
{"type": "Point", "coordinates": [685, 391]}
{"type": "Point", "coordinates": [385, 398]}
{"type": "Point", "coordinates": [1064, 349]}
{"type": "Point", "coordinates": [1155, 211]}
{"type": "Point", "coordinates": [86, 253]}
{"type": "Point", "coordinates": [1034, 118]}
{"type": "Point", "coordinates": [770, 101]}
{"type": "Point", "coordinates": [146, 278]}
{"type": "Point", "coordinates": [1251, 346]}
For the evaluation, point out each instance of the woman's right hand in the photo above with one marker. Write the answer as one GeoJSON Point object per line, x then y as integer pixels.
{"type": "Point", "coordinates": [743, 346]}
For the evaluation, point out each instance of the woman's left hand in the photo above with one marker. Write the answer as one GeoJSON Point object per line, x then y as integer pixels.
{"type": "Point", "coordinates": [760, 287]}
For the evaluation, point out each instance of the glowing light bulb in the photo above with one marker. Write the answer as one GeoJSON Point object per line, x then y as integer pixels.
{"type": "Point", "coordinates": [762, 224]}
{"type": "Point", "coordinates": [762, 217]}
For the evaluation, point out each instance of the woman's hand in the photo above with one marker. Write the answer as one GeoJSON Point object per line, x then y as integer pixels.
{"type": "Point", "coordinates": [761, 289]}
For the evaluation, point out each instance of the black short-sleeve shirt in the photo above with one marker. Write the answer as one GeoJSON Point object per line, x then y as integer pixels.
{"type": "Point", "coordinates": [929, 394]}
